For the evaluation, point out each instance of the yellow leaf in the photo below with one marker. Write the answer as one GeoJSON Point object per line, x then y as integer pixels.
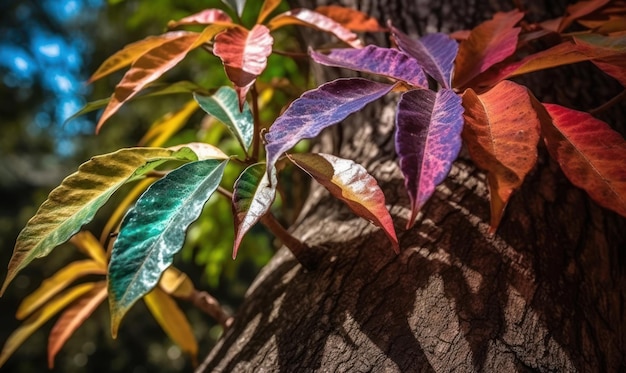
{"type": "Point", "coordinates": [176, 283]}
{"type": "Point", "coordinates": [59, 281]}
{"type": "Point", "coordinates": [29, 326]}
{"type": "Point", "coordinates": [172, 320]}
{"type": "Point", "coordinates": [88, 244]}
{"type": "Point", "coordinates": [163, 129]}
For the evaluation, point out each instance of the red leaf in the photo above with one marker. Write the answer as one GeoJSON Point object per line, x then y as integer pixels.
{"type": "Point", "coordinates": [501, 132]}
{"type": "Point", "coordinates": [244, 55]}
{"type": "Point", "coordinates": [578, 10]}
{"type": "Point", "coordinates": [489, 43]}
{"type": "Point", "coordinates": [590, 154]}
{"type": "Point", "coordinates": [614, 50]}
{"type": "Point", "coordinates": [351, 19]}
{"type": "Point", "coordinates": [150, 66]}
{"type": "Point", "coordinates": [309, 18]}
{"type": "Point", "coordinates": [353, 185]}
{"type": "Point", "coordinates": [205, 17]}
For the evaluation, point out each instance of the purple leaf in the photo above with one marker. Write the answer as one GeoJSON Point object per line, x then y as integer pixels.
{"type": "Point", "coordinates": [317, 109]}
{"type": "Point", "coordinates": [428, 140]}
{"type": "Point", "coordinates": [435, 52]}
{"type": "Point", "coordinates": [397, 65]}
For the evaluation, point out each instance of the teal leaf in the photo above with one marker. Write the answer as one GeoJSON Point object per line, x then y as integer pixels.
{"type": "Point", "coordinates": [224, 105]}
{"type": "Point", "coordinates": [154, 230]}
{"type": "Point", "coordinates": [253, 195]}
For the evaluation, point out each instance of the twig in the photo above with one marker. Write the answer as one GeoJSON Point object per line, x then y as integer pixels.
{"type": "Point", "coordinates": [209, 305]}
{"type": "Point", "coordinates": [607, 105]}
{"type": "Point", "coordinates": [257, 123]}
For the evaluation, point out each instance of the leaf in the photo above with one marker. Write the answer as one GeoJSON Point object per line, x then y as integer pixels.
{"type": "Point", "coordinates": [73, 317]}
{"type": "Point", "coordinates": [172, 321]}
{"type": "Point", "coordinates": [590, 154]}
{"type": "Point", "coordinates": [164, 128]}
{"type": "Point", "coordinates": [236, 5]}
{"type": "Point", "coordinates": [154, 230]}
{"type": "Point", "coordinates": [132, 52]}
{"type": "Point", "coordinates": [244, 55]}
{"type": "Point", "coordinates": [267, 8]}
{"type": "Point", "coordinates": [224, 106]}
{"type": "Point", "coordinates": [610, 52]}
{"type": "Point", "coordinates": [501, 132]}
{"type": "Point", "coordinates": [253, 194]}
{"type": "Point", "coordinates": [35, 321]}
{"type": "Point", "coordinates": [351, 19]}
{"type": "Point", "coordinates": [57, 283]}
{"type": "Point", "coordinates": [352, 184]}
{"type": "Point", "coordinates": [489, 43]}
{"type": "Point", "coordinates": [176, 283]}
{"type": "Point", "coordinates": [317, 109]}
{"type": "Point", "coordinates": [205, 17]}
{"type": "Point", "coordinates": [435, 52]}
{"type": "Point", "coordinates": [397, 65]}
{"type": "Point", "coordinates": [151, 65]}
{"type": "Point", "coordinates": [75, 202]}
{"type": "Point", "coordinates": [309, 18]}
{"type": "Point", "coordinates": [428, 140]}
{"type": "Point", "coordinates": [201, 150]}
{"type": "Point", "coordinates": [578, 10]}
{"type": "Point", "coordinates": [88, 244]}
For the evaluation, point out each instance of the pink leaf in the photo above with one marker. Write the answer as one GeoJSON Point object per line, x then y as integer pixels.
{"type": "Point", "coordinates": [205, 17]}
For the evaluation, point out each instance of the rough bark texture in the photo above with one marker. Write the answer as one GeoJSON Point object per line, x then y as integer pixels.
{"type": "Point", "coordinates": [547, 293]}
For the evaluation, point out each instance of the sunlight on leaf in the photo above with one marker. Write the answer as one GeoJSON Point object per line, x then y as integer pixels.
{"type": "Point", "coordinates": [397, 64]}
{"type": "Point", "coordinates": [320, 108]}
{"type": "Point", "coordinates": [172, 320]}
{"type": "Point", "coordinates": [75, 202]}
{"type": "Point", "coordinates": [34, 322]}
{"type": "Point", "coordinates": [201, 150]}
{"type": "Point", "coordinates": [353, 185]}
{"type": "Point", "coordinates": [224, 105]}
{"type": "Point", "coordinates": [253, 194]}
{"type": "Point", "coordinates": [590, 154]}
{"type": "Point", "coordinates": [349, 18]}
{"type": "Point", "coordinates": [205, 17]}
{"type": "Point", "coordinates": [73, 317]}
{"type": "Point", "coordinates": [501, 132]}
{"type": "Point", "coordinates": [428, 140]}
{"type": "Point", "coordinates": [89, 245]}
{"type": "Point", "coordinates": [154, 230]}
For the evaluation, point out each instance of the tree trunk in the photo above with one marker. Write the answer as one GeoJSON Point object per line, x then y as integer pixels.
{"type": "Point", "coordinates": [546, 293]}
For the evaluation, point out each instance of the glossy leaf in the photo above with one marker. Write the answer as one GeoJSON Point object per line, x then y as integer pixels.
{"type": "Point", "coordinates": [73, 317]}
{"type": "Point", "coordinates": [435, 52]}
{"type": "Point", "coordinates": [253, 194]}
{"type": "Point", "coordinates": [133, 51]}
{"type": "Point", "coordinates": [224, 105]}
{"type": "Point", "coordinates": [590, 154]}
{"type": "Point", "coordinates": [268, 7]}
{"type": "Point", "coordinates": [172, 320]}
{"type": "Point", "coordinates": [244, 55]}
{"type": "Point", "coordinates": [164, 128]}
{"type": "Point", "coordinates": [205, 17]}
{"type": "Point", "coordinates": [30, 325]}
{"type": "Point", "coordinates": [428, 140]}
{"type": "Point", "coordinates": [397, 65]}
{"type": "Point", "coordinates": [57, 283]}
{"type": "Point", "coordinates": [176, 283]}
{"type": "Point", "coordinates": [309, 18]}
{"type": "Point", "coordinates": [349, 18]}
{"type": "Point", "coordinates": [353, 185]}
{"type": "Point", "coordinates": [89, 245]}
{"type": "Point", "coordinates": [501, 132]}
{"type": "Point", "coordinates": [75, 202]}
{"type": "Point", "coordinates": [154, 230]}
{"type": "Point", "coordinates": [317, 109]}
{"type": "Point", "coordinates": [578, 10]}
{"type": "Point", "coordinates": [236, 5]}
{"type": "Point", "coordinates": [489, 43]}
{"type": "Point", "coordinates": [151, 65]}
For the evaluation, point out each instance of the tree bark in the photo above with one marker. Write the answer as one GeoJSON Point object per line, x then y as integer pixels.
{"type": "Point", "coordinates": [546, 293]}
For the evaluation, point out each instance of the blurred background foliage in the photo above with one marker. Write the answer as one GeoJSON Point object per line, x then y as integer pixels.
{"type": "Point", "coordinates": [47, 51]}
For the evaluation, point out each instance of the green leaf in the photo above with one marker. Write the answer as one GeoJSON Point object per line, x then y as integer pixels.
{"type": "Point", "coordinates": [154, 230]}
{"type": "Point", "coordinates": [75, 202]}
{"type": "Point", "coordinates": [224, 105]}
{"type": "Point", "coordinates": [253, 195]}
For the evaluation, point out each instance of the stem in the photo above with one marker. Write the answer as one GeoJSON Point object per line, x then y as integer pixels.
{"type": "Point", "coordinates": [256, 137]}
{"type": "Point", "coordinates": [291, 54]}
{"type": "Point", "coordinates": [209, 305]}
{"type": "Point", "coordinates": [607, 105]}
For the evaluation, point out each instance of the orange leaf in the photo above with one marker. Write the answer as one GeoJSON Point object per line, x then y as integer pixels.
{"type": "Point", "coordinates": [73, 317]}
{"type": "Point", "coordinates": [244, 55]}
{"type": "Point", "coordinates": [614, 50]}
{"type": "Point", "coordinates": [489, 43]}
{"type": "Point", "coordinates": [578, 10]}
{"type": "Point", "coordinates": [205, 17]}
{"type": "Point", "coordinates": [351, 19]}
{"type": "Point", "coordinates": [150, 66]}
{"type": "Point", "coordinates": [268, 7]}
{"type": "Point", "coordinates": [88, 244]}
{"type": "Point", "coordinates": [501, 132]}
{"type": "Point", "coordinates": [590, 154]}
